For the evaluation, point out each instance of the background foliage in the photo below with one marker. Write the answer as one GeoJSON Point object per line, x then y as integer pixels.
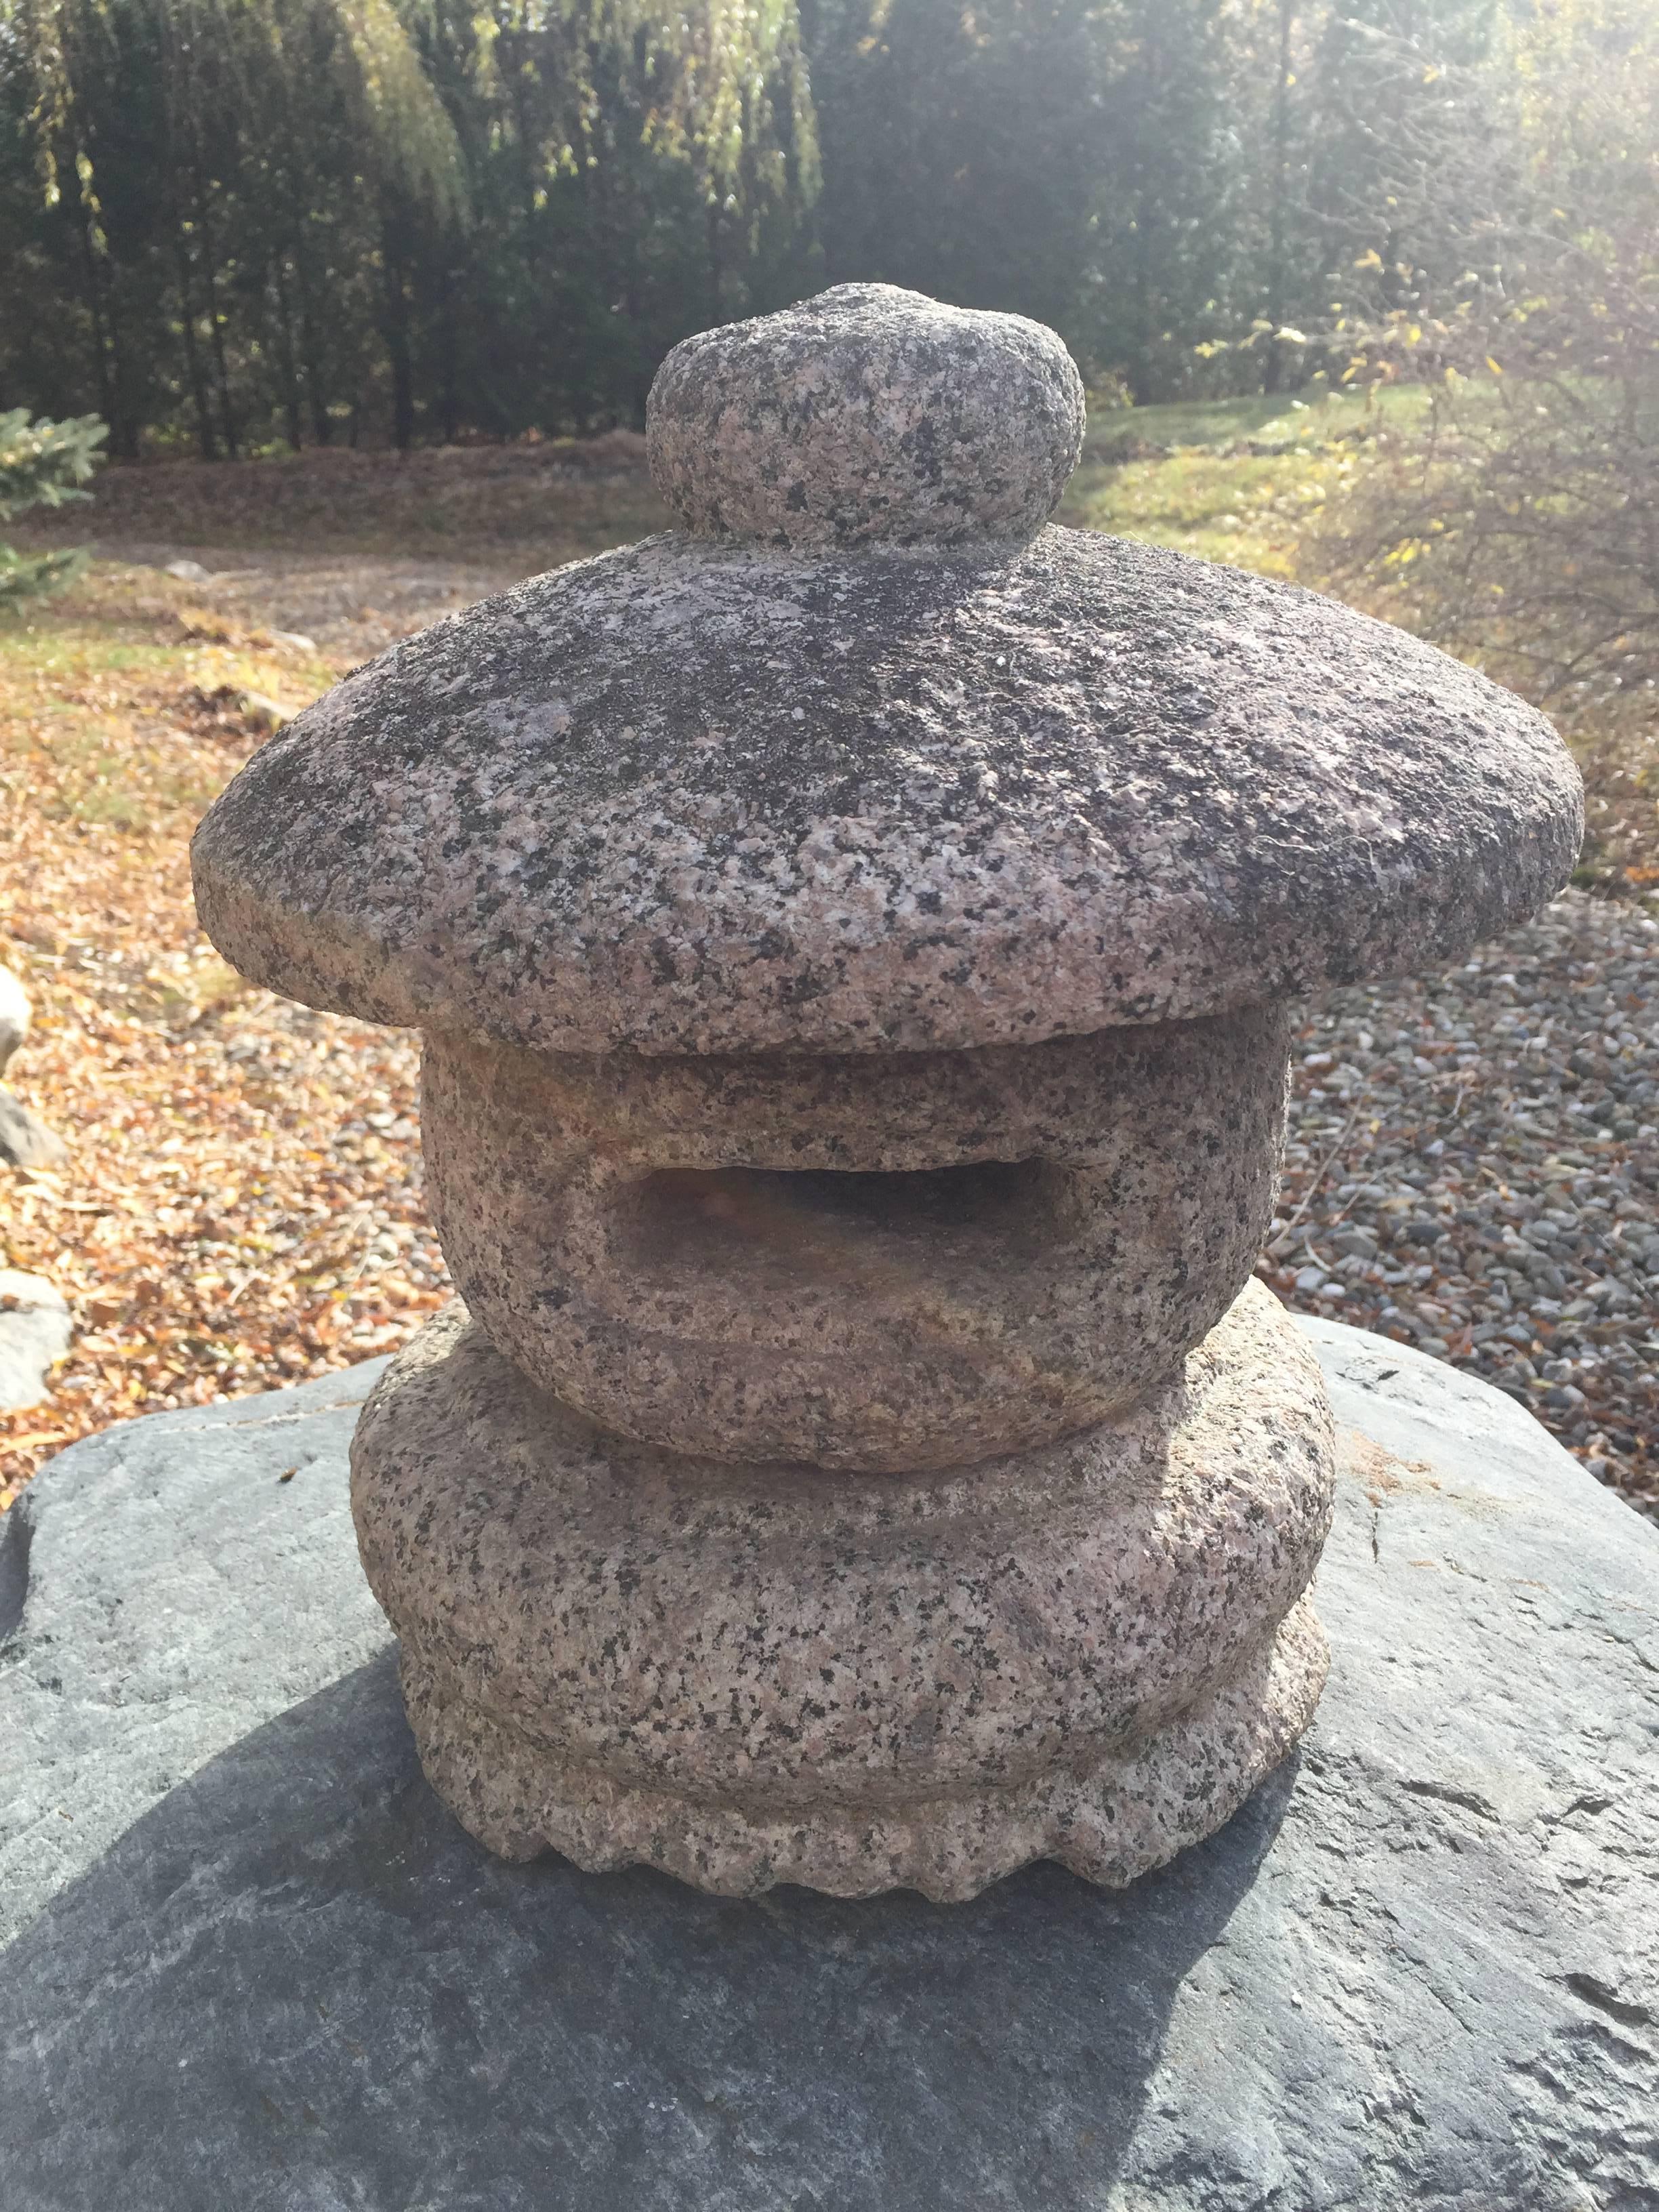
{"type": "Point", "coordinates": [241, 223]}
{"type": "Point", "coordinates": [41, 465]}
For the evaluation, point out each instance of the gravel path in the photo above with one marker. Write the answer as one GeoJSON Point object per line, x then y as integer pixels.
{"type": "Point", "coordinates": [1474, 1168]}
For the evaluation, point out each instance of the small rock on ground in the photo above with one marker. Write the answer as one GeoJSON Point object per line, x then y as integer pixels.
{"type": "Point", "coordinates": [25, 1139]}
{"type": "Point", "coordinates": [13, 1015]}
{"type": "Point", "coordinates": [34, 1334]}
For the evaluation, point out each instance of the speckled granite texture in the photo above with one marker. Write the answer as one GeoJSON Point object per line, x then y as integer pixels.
{"type": "Point", "coordinates": [908, 1261]}
{"type": "Point", "coordinates": [867, 414]}
{"type": "Point", "coordinates": [747, 1676]}
{"type": "Point", "coordinates": [696, 799]}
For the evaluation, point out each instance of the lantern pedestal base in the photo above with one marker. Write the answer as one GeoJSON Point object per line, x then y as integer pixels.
{"type": "Point", "coordinates": [748, 1674]}
{"type": "Point", "coordinates": [1109, 1824]}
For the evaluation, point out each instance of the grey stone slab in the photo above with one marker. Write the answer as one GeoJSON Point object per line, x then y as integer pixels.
{"type": "Point", "coordinates": [162, 1591]}
{"type": "Point", "coordinates": [25, 1139]}
{"type": "Point", "coordinates": [253, 1963]}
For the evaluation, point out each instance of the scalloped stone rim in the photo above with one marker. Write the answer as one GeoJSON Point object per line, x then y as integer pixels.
{"type": "Point", "coordinates": [1111, 1824]}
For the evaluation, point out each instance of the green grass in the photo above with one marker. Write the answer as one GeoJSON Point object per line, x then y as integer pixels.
{"type": "Point", "coordinates": [47, 645]}
{"type": "Point", "coordinates": [1232, 480]}
{"type": "Point", "coordinates": [1320, 411]}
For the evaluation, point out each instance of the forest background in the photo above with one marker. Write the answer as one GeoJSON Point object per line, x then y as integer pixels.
{"type": "Point", "coordinates": [235, 226]}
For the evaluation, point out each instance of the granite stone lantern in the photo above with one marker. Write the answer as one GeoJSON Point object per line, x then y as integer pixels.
{"type": "Point", "coordinates": [853, 935]}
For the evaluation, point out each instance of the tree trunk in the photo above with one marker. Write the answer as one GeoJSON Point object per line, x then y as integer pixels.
{"type": "Point", "coordinates": [285, 350]}
{"type": "Point", "coordinates": [99, 335]}
{"type": "Point", "coordinates": [396, 339]}
{"type": "Point", "coordinates": [206, 442]}
{"type": "Point", "coordinates": [1272, 373]}
{"type": "Point", "coordinates": [449, 395]}
{"type": "Point", "coordinates": [215, 321]}
{"type": "Point", "coordinates": [716, 262]}
{"type": "Point", "coordinates": [322, 423]}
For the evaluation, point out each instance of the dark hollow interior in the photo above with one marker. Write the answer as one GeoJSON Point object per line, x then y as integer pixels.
{"type": "Point", "coordinates": [685, 1213]}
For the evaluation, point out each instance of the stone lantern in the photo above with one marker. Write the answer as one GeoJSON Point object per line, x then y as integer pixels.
{"type": "Point", "coordinates": [853, 935]}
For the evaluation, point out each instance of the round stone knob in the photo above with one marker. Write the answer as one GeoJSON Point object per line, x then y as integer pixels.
{"type": "Point", "coordinates": [867, 416]}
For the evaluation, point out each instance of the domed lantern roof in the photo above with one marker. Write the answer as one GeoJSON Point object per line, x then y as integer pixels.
{"type": "Point", "coordinates": [869, 756]}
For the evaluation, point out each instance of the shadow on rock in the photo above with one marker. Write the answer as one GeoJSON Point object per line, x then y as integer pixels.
{"type": "Point", "coordinates": [298, 1983]}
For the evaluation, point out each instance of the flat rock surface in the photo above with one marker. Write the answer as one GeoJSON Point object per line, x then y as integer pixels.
{"type": "Point", "coordinates": [708, 799]}
{"type": "Point", "coordinates": [253, 1963]}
